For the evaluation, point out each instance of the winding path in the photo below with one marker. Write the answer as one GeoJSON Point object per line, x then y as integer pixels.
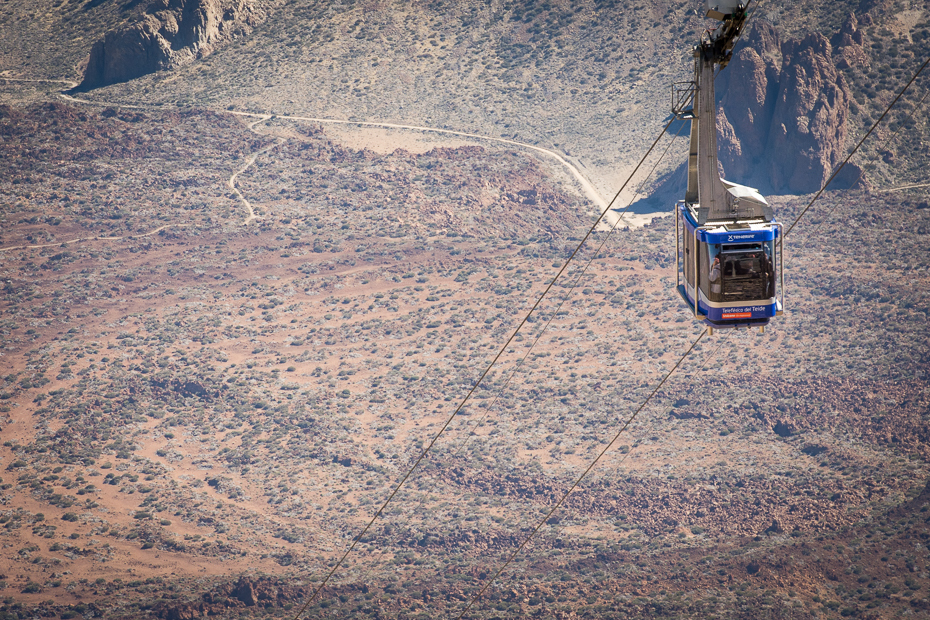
{"type": "Point", "coordinates": [232, 179]}
{"type": "Point", "coordinates": [69, 83]}
{"type": "Point", "coordinates": [588, 188]}
{"type": "Point", "coordinates": [903, 187]}
{"type": "Point", "coordinates": [97, 238]}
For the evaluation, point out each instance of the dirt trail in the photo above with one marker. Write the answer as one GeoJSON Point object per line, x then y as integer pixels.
{"type": "Point", "coordinates": [249, 162]}
{"type": "Point", "coordinates": [232, 186]}
{"type": "Point", "coordinates": [586, 185]}
{"type": "Point", "coordinates": [611, 219]}
{"type": "Point", "coordinates": [232, 180]}
{"type": "Point", "coordinates": [154, 231]}
{"type": "Point", "coordinates": [67, 97]}
{"type": "Point", "coordinates": [68, 83]}
{"type": "Point", "coordinates": [903, 187]}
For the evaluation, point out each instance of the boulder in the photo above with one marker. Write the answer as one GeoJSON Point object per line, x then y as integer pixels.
{"type": "Point", "coordinates": [847, 45]}
{"type": "Point", "coordinates": [172, 33]}
{"type": "Point", "coordinates": [244, 591]}
{"type": "Point", "coordinates": [849, 33]}
{"type": "Point", "coordinates": [775, 528]}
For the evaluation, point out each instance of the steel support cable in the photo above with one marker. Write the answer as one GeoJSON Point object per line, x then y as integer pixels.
{"type": "Point", "coordinates": [553, 314]}
{"type": "Point", "coordinates": [708, 358]}
{"type": "Point", "coordinates": [578, 481]}
{"type": "Point", "coordinates": [853, 152]}
{"type": "Point", "coordinates": [484, 374]}
{"type": "Point", "coordinates": [383, 548]}
{"type": "Point", "coordinates": [488, 369]}
{"type": "Point", "coordinates": [568, 294]}
{"type": "Point", "coordinates": [549, 321]}
{"type": "Point", "coordinates": [632, 418]}
{"type": "Point", "coordinates": [575, 484]}
{"type": "Point", "coordinates": [578, 275]}
{"type": "Point", "coordinates": [655, 421]}
{"type": "Point", "coordinates": [591, 466]}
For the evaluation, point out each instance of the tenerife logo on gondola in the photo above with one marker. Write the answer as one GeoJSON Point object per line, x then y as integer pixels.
{"type": "Point", "coordinates": [738, 237]}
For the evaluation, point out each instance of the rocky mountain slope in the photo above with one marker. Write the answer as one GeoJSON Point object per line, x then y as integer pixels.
{"type": "Point", "coordinates": [228, 399]}
{"type": "Point", "coordinates": [226, 337]}
{"type": "Point", "coordinates": [587, 78]}
{"type": "Point", "coordinates": [172, 33]}
{"type": "Point", "coordinates": [785, 99]}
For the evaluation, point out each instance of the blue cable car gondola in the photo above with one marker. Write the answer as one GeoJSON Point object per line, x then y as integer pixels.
{"type": "Point", "coordinates": [728, 242]}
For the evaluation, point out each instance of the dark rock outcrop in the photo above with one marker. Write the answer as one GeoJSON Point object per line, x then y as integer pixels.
{"type": "Point", "coordinates": [244, 591]}
{"type": "Point", "coordinates": [184, 388]}
{"type": "Point", "coordinates": [809, 123]}
{"type": "Point", "coordinates": [784, 110]}
{"type": "Point", "coordinates": [847, 45]}
{"type": "Point", "coordinates": [172, 33]}
{"type": "Point", "coordinates": [775, 528]}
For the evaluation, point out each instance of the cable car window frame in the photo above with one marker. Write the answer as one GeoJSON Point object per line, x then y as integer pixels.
{"type": "Point", "coordinates": [742, 278]}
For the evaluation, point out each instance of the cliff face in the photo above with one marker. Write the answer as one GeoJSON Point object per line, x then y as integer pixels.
{"type": "Point", "coordinates": [809, 122]}
{"type": "Point", "coordinates": [784, 111]}
{"type": "Point", "coordinates": [172, 33]}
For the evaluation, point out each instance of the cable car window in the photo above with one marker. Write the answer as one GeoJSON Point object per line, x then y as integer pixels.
{"type": "Point", "coordinates": [746, 271]}
{"type": "Point", "coordinates": [768, 266]}
{"type": "Point", "coordinates": [745, 275]}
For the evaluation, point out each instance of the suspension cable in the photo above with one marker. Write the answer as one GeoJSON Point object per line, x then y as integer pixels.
{"type": "Point", "coordinates": [493, 363]}
{"type": "Point", "coordinates": [484, 374]}
{"type": "Point", "coordinates": [572, 288]}
{"type": "Point", "coordinates": [632, 418]}
{"type": "Point", "coordinates": [655, 421]}
{"type": "Point", "coordinates": [578, 275]}
{"type": "Point", "coordinates": [587, 470]}
{"type": "Point", "coordinates": [667, 375]}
